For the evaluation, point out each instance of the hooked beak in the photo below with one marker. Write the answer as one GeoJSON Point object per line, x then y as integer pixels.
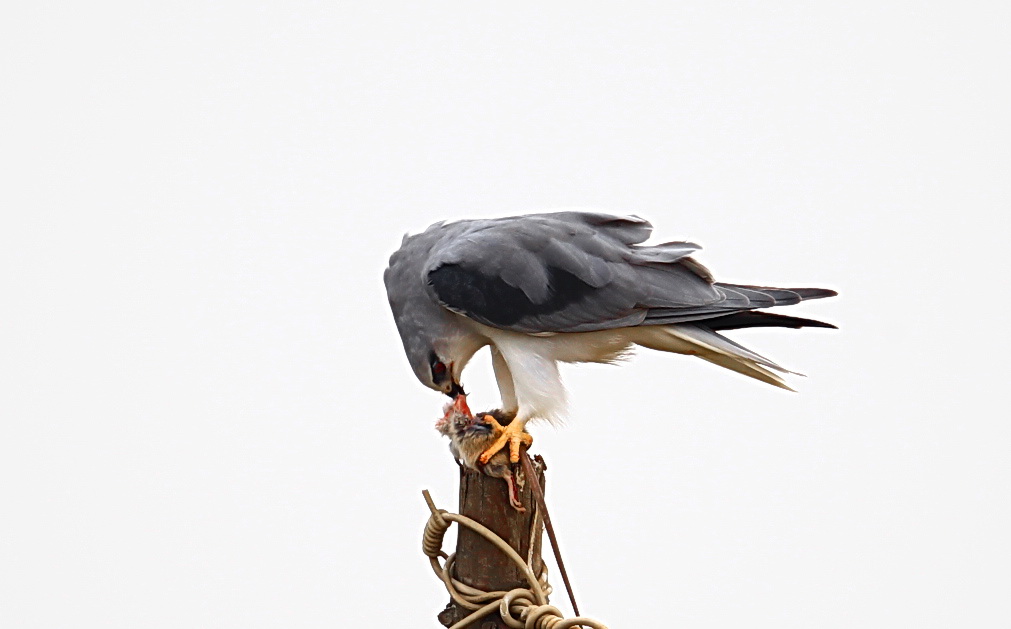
{"type": "Point", "coordinates": [455, 390]}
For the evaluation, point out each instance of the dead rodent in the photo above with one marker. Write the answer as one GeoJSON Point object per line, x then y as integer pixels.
{"type": "Point", "coordinates": [470, 435]}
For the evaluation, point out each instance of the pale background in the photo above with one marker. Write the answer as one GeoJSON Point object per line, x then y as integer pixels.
{"type": "Point", "coordinates": [207, 418]}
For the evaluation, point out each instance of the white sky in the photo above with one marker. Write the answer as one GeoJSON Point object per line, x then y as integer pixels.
{"type": "Point", "coordinates": [207, 418]}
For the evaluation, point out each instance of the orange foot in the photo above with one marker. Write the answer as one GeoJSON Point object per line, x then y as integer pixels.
{"type": "Point", "coordinates": [512, 434]}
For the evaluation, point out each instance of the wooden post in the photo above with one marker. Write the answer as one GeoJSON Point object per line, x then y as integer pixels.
{"type": "Point", "coordinates": [478, 563]}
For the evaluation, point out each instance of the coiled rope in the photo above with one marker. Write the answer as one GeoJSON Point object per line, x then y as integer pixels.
{"type": "Point", "coordinates": [521, 608]}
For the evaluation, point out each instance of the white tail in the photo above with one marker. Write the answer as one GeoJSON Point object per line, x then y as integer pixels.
{"type": "Point", "coordinates": [693, 340]}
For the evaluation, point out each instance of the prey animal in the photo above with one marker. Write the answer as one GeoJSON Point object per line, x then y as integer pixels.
{"type": "Point", "coordinates": [571, 287]}
{"type": "Point", "coordinates": [470, 435]}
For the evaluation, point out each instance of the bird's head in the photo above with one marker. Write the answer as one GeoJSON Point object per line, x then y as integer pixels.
{"type": "Point", "coordinates": [438, 348]}
{"type": "Point", "coordinates": [440, 375]}
{"type": "Point", "coordinates": [438, 342]}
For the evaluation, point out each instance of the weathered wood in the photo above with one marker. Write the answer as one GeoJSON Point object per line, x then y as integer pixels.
{"type": "Point", "coordinates": [478, 563]}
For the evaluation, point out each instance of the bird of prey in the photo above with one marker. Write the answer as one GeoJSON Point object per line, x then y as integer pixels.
{"type": "Point", "coordinates": [568, 286]}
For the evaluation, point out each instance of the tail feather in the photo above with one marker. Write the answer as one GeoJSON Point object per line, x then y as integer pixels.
{"type": "Point", "coordinates": [787, 294]}
{"type": "Point", "coordinates": [702, 337]}
{"type": "Point", "coordinates": [761, 296]}
{"type": "Point", "coordinates": [757, 319]}
{"type": "Point", "coordinates": [814, 293]}
{"type": "Point", "coordinates": [712, 347]}
{"type": "Point", "coordinates": [748, 369]}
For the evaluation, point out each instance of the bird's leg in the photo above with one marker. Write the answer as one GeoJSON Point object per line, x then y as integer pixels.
{"type": "Point", "coordinates": [504, 378]}
{"type": "Point", "coordinates": [512, 434]}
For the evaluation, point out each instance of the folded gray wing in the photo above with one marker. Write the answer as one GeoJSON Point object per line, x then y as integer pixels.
{"type": "Point", "coordinates": [571, 272]}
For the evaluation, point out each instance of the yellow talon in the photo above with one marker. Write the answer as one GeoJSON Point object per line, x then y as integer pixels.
{"type": "Point", "coordinates": [512, 434]}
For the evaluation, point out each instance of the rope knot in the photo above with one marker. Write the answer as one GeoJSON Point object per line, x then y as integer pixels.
{"type": "Point", "coordinates": [522, 608]}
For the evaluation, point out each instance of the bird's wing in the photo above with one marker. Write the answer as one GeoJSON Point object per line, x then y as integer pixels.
{"type": "Point", "coordinates": [577, 272]}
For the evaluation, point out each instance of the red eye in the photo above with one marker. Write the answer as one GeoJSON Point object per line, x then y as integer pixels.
{"type": "Point", "coordinates": [438, 369]}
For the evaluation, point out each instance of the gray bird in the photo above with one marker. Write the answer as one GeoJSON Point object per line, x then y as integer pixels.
{"type": "Point", "coordinates": [570, 287]}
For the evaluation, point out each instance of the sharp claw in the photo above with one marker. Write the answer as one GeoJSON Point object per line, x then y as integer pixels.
{"type": "Point", "coordinates": [514, 449]}
{"type": "Point", "coordinates": [490, 452]}
{"type": "Point", "coordinates": [516, 442]}
{"type": "Point", "coordinates": [512, 437]}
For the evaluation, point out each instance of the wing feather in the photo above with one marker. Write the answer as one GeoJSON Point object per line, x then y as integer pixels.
{"type": "Point", "coordinates": [577, 272]}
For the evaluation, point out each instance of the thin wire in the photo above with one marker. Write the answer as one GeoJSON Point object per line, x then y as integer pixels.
{"type": "Point", "coordinates": [528, 468]}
